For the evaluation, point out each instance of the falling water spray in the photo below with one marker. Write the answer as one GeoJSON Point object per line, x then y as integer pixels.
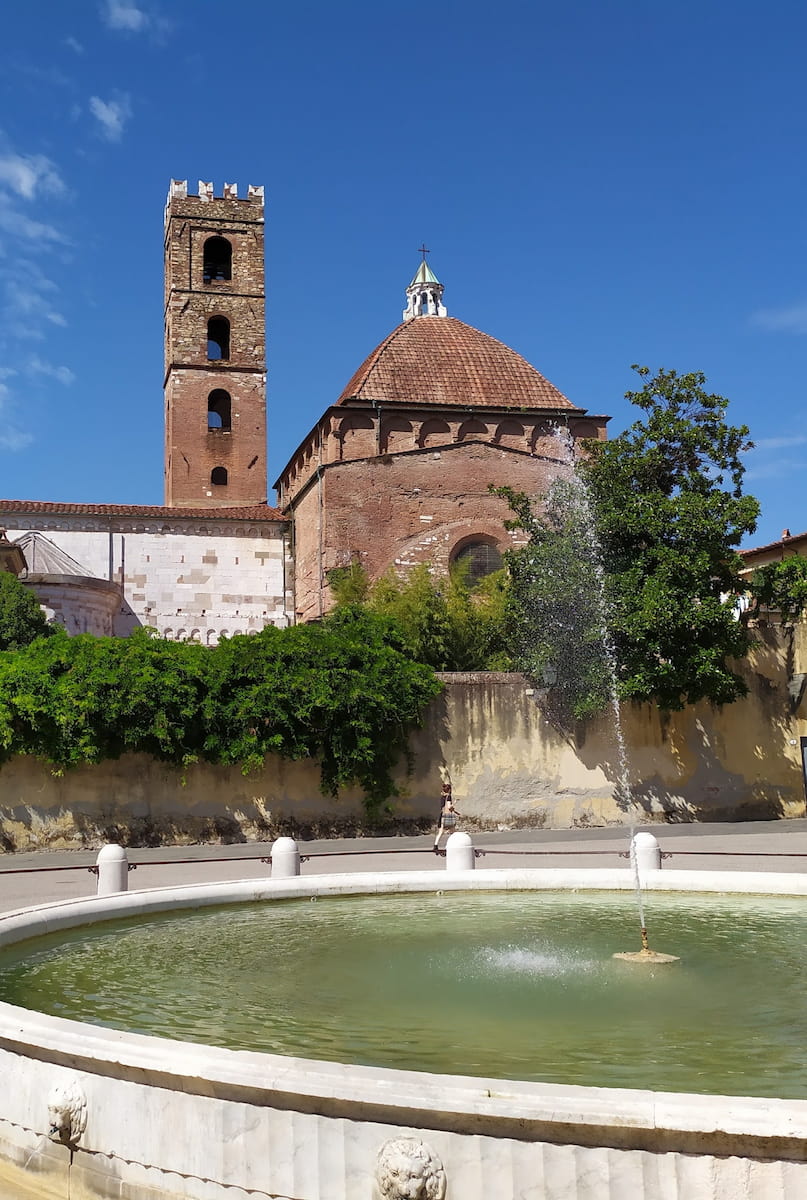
{"type": "Point", "coordinates": [592, 550]}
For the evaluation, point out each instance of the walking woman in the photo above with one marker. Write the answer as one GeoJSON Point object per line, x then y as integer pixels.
{"type": "Point", "coordinates": [447, 821]}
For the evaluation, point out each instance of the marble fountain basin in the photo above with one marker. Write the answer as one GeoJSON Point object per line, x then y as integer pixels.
{"type": "Point", "coordinates": [88, 1110]}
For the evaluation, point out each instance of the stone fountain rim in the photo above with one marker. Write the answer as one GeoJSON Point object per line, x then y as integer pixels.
{"type": "Point", "coordinates": [621, 1117]}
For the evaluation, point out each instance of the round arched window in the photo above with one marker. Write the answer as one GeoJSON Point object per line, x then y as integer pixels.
{"type": "Point", "coordinates": [482, 559]}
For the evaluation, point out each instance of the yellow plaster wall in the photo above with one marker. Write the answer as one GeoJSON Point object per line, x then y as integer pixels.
{"type": "Point", "coordinates": [509, 765]}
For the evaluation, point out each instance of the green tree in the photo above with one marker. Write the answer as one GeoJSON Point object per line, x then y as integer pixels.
{"type": "Point", "coordinates": [343, 692]}
{"type": "Point", "coordinates": [418, 606]}
{"type": "Point", "coordinates": [349, 585]}
{"type": "Point", "coordinates": [555, 617]}
{"type": "Point", "coordinates": [443, 621]}
{"type": "Point", "coordinates": [476, 614]}
{"type": "Point", "coordinates": [781, 586]}
{"type": "Point", "coordinates": [21, 618]}
{"type": "Point", "coordinates": [668, 508]}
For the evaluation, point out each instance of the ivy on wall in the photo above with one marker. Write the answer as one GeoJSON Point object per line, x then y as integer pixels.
{"type": "Point", "coordinates": [342, 692]}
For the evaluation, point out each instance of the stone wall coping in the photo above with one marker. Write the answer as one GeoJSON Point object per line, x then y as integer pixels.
{"type": "Point", "coordinates": [618, 1117]}
{"type": "Point", "coordinates": [83, 581]}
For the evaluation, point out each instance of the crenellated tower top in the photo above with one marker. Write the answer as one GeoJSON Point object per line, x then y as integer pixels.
{"type": "Point", "coordinates": [178, 191]}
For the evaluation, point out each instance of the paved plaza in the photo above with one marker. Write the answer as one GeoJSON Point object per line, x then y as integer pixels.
{"type": "Point", "coordinates": [38, 877]}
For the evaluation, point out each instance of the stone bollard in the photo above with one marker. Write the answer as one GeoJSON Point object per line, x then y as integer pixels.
{"type": "Point", "coordinates": [285, 858]}
{"type": "Point", "coordinates": [460, 853]}
{"type": "Point", "coordinates": [647, 852]}
{"type": "Point", "coordinates": [113, 870]}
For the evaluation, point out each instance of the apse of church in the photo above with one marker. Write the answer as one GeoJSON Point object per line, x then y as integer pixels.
{"type": "Point", "coordinates": [398, 471]}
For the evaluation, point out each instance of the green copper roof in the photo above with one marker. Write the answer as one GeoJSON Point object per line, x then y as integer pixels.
{"type": "Point", "coordinates": [424, 274]}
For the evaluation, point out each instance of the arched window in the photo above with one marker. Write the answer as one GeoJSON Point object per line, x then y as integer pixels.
{"type": "Point", "coordinates": [482, 558]}
{"type": "Point", "coordinates": [218, 338]}
{"type": "Point", "coordinates": [219, 408]}
{"type": "Point", "coordinates": [217, 262]}
{"type": "Point", "coordinates": [218, 476]}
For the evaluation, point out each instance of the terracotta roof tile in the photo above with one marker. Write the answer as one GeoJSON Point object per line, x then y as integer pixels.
{"type": "Point", "coordinates": [256, 512]}
{"type": "Point", "coordinates": [440, 360]}
{"type": "Point", "coordinates": [790, 540]}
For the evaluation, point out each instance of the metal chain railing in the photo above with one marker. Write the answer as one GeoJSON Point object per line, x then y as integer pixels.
{"type": "Point", "coordinates": [479, 852]}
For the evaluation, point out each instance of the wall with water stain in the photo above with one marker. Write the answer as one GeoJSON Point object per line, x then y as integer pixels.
{"type": "Point", "coordinates": [510, 767]}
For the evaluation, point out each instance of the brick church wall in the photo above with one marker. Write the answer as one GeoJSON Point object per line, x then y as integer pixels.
{"type": "Point", "coordinates": [399, 510]}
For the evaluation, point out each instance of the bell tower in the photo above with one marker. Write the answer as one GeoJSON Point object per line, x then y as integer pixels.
{"type": "Point", "coordinates": [215, 348]}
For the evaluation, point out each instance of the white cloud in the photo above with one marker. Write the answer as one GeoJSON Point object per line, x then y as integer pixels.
{"type": "Point", "coordinates": [27, 294]}
{"type": "Point", "coordinates": [112, 115]}
{"type": "Point", "coordinates": [779, 443]}
{"type": "Point", "coordinates": [776, 470]}
{"type": "Point", "coordinates": [14, 439]}
{"type": "Point", "coordinates": [74, 45]}
{"type": "Point", "coordinates": [792, 319]}
{"type": "Point", "coordinates": [61, 374]}
{"type": "Point", "coordinates": [29, 174]}
{"type": "Point", "coordinates": [26, 301]}
{"type": "Point", "coordinates": [11, 437]}
{"type": "Point", "coordinates": [124, 15]}
{"type": "Point", "coordinates": [15, 222]}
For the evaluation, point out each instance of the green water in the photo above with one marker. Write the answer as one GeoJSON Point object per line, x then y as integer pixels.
{"type": "Point", "coordinates": [518, 986]}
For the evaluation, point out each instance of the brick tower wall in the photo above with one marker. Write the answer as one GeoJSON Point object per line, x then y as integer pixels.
{"type": "Point", "coordinates": [193, 450]}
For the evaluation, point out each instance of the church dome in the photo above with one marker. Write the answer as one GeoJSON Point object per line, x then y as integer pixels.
{"type": "Point", "coordinates": [440, 360]}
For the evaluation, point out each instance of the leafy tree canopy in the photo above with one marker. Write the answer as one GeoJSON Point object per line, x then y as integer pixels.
{"type": "Point", "coordinates": [668, 508]}
{"type": "Point", "coordinates": [781, 586]}
{"type": "Point", "coordinates": [555, 621]}
{"type": "Point", "coordinates": [21, 618]}
{"type": "Point", "coordinates": [442, 621]}
{"type": "Point", "coordinates": [342, 692]}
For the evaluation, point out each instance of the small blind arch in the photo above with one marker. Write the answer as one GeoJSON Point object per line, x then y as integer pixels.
{"type": "Point", "coordinates": [217, 260]}
{"type": "Point", "coordinates": [218, 476]}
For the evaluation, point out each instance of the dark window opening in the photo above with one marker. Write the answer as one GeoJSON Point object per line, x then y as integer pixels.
{"type": "Point", "coordinates": [218, 476]}
{"type": "Point", "coordinates": [217, 260]}
{"type": "Point", "coordinates": [218, 338]}
{"type": "Point", "coordinates": [218, 410]}
{"type": "Point", "coordinates": [482, 559]}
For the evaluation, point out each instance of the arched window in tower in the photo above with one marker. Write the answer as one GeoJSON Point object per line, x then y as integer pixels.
{"type": "Point", "coordinates": [479, 558]}
{"type": "Point", "coordinates": [219, 408]}
{"type": "Point", "coordinates": [217, 261]}
{"type": "Point", "coordinates": [218, 476]}
{"type": "Point", "coordinates": [218, 339]}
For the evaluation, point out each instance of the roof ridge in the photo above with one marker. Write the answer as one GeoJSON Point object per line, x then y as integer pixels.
{"type": "Point", "coordinates": [247, 512]}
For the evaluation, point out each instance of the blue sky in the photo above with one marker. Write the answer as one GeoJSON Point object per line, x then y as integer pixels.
{"type": "Point", "coordinates": [599, 183]}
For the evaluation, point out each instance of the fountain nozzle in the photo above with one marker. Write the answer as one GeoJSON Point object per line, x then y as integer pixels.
{"type": "Point", "coordinates": [646, 955]}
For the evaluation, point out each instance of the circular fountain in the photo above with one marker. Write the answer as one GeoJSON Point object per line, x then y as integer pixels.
{"type": "Point", "coordinates": [98, 1108]}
